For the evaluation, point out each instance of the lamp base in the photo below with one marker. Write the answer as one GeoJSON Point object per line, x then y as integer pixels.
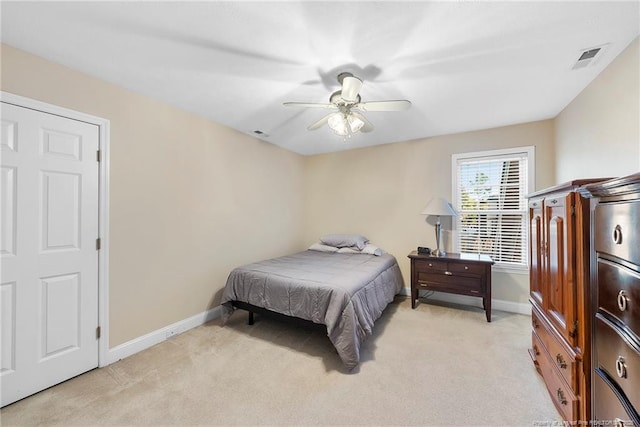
{"type": "Point", "coordinates": [438, 252]}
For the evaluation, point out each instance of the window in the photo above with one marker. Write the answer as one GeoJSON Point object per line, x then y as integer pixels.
{"type": "Point", "coordinates": [489, 190]}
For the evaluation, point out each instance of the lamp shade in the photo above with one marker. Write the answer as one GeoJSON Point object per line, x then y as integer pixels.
{"type": "Point", "coordinates": [439, 206]}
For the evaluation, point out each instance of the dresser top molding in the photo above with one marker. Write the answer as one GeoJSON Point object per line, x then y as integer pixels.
{"type": "Point", "coordinates": [614, 187]}
{"type": "Point", "coordinates": [566, 186]}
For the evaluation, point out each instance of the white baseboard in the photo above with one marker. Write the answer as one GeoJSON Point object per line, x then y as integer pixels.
{"type": "Point", "coordinates": [496, 304]}
{"type": "Point", "coordinates": [152, 338]}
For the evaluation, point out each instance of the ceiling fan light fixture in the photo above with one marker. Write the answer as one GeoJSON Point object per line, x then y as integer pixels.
{"type": "Point", "coordinates": [348, 120]}
{"type": "Point", "coordinates": [344, 124]}
{"type": "Point", "coordinates": [354, 123]}
{"type": "Point", "coordinates": [338, 123]}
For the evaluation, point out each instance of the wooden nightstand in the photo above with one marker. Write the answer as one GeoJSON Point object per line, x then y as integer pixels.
{"type": "Point", "coordinates": [464, 274]}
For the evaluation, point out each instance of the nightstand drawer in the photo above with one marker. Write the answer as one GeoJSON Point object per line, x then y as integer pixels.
{"type": "Point", "coordinates": [450, 283]}
{"type": "Point", "coordinates": [466, 268]}
{"type": "Point", "coordinates": [431, 265]}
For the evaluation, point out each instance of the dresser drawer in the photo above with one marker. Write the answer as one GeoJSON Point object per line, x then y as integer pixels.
{"type": "Point", "coordinates": [616, 230]}
{"type": "Point", "coordinates": [451, 283]}
{"type": "Point", "coordinates": [563, 359]}
{"type": "Point", "coordinates": [607, 406]}
{"type": "Point", "coordinates": [561, 394]}
{"type": "Point", "coordinates": [539, 326]}
{"type": "Point", "coordinates": [619, 293]}
{"type": "Point", "coordinates": [431, 265]}
{"type": "Point", "coordinates": [618, 359]}
{"type": "Point", "coordinates": [536, 346]}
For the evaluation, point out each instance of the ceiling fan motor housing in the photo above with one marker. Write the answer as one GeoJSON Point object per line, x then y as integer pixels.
{"type": "Point", "coordinates": [336, 98]}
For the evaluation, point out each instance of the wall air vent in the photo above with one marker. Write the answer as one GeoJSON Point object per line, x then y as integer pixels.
{"type": "Point", "coordinates": [589, 57]}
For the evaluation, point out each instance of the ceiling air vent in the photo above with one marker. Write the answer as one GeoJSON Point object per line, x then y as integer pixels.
{"type": "Point", "coordinates": [589, 57]}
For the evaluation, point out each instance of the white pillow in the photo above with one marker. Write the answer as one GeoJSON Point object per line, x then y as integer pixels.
{"type": "Point", "coordinates": [373, 250]}
{"type": "Point", "coordinates": [322, 248]}
{"type": "Point", "coordinates": [368, 249]}
{"type": "Point", "coordinates": [349, 251]}
{"type": "Point", "coordinates": [345, 240]}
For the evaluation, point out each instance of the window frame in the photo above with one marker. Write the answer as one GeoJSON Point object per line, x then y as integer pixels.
{"type": "Point", "coordinates": [529, 153]}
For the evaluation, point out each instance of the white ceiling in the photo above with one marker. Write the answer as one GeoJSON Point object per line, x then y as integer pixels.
{"type": "Point", "coordinates": [464, 65]}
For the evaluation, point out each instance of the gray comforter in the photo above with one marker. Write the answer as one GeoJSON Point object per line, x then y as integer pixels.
{"type": "Point", "coordinates": [345, 292]}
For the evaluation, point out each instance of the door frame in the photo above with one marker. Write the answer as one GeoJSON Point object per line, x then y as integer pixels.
{"type": "Point", "coordinates": [103, 201]}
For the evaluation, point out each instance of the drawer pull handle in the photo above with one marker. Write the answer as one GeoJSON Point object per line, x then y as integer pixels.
{"type": "Point", "coordinates": [618, 422]}
{"type": "Point", "coordinates": [554, 201]}
{"type": "Point", "coordinates": [561, 363]}
{"type": "Point", "coordinates": [561, 397]}
{"type": "Point", "coordinates": [623, 299]}
{"type": "Point", "coordinates": [621, 367]}
{"type": "Point", "coordinates": [430, 265]}
{"type": "Point", "coordinates": [617, 235]}
{"type": "Point", "coordinates": [448, 273]}
{"type": "Point", "coordinates": [466, 267]}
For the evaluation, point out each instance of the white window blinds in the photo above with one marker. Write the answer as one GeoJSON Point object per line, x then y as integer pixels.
{"type": "Point", "coordinates": [489, 195]}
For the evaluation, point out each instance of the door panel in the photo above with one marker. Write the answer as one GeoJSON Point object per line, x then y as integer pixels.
{"type": "Point", "coordinates": [537, 252]}
{"type": "Point", "coordinates": [60, 210]}
{"type": "Point", "coordinates": [560, 304]}
{"type": "Point", "coordinates": [7, 329]}
{"type": "Point", "coordinates": [49, 282]}
{"type": "Point", "coordinates": [60, 314]}
{"type": "Point", "coordinates": [8, 211]}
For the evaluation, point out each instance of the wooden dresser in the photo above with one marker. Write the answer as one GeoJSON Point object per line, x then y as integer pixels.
{"type": "Point", "coordinates": [559, 295]}
{"type": "Point", "coordinates": [615, 287]}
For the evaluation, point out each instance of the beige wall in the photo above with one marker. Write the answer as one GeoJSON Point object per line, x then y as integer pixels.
{"type": "Point", "coordinates": [598, 133]}
{"type": "Point", "coordinates": [190, 199]}
{"type": "Point", "coordinates": [380, 191]}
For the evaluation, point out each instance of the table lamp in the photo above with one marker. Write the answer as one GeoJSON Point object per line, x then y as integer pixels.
{"type": "Point", "coordinates": [438, 207]}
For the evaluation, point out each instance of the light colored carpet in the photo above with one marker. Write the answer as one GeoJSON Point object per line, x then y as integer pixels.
{"type": "Point", "coordinates": [437, 365]}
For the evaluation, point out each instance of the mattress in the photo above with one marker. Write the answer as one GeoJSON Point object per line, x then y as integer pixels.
{"type": "Point", "coordinates": [345, 292]}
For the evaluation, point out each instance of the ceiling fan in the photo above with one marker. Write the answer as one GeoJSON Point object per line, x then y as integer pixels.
{"type": "Point", "coordinates": [348, 120]}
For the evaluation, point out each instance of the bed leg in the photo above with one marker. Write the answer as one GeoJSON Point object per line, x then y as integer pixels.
{"type": "Point", "coordinates": [251, 318]}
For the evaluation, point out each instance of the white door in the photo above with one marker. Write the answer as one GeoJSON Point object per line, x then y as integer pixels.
{"type": "Point", "coordinates": [49, 227]}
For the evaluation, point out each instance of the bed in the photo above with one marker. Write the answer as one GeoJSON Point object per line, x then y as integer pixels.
{"type": "Point", "coordinates": [344, 289]}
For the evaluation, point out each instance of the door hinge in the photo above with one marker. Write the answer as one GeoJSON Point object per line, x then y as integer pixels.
{"type": "Point", "coordinates": [99, 155]}
{"type": "Point", "coordinates": [98, 332]}
{"type": "Point", "coordinates": [573, 210]}
{"type": "Point", "coordinates": [98, 243]}
{"type": "Point", "coordinates": [574, 332]}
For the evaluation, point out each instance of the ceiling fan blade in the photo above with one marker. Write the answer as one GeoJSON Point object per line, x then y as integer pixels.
{"type": "Point", "coordinates": [320, 122]}
{"type": "Point", "coordinates": [367, 126]}
{"type": "Point", "coordinates": [308, 105]}
{"type": "Point", "coordinates": [399, 105]}
{"type": "Point", "coordinates": [350, 88]}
